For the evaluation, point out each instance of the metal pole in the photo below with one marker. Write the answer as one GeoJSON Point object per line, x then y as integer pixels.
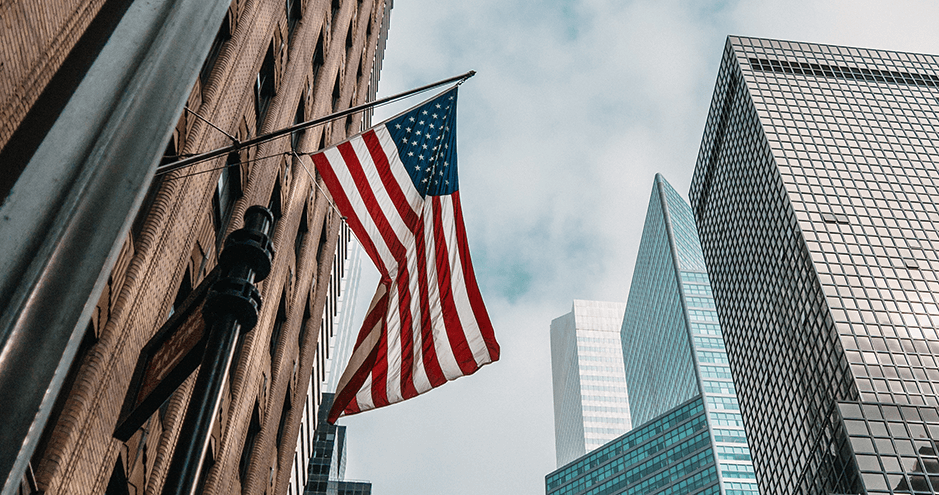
{"type": "Point", "coordinates": [169, 167]}
{"type": "Point", "coordinates": [231, 306]}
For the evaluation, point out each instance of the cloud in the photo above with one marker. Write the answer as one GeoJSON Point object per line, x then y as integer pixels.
{"type": "Point", "coordinates": [576, 105]}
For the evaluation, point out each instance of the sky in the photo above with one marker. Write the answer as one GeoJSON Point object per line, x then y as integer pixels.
{"type": "Point", "coordinates": [575, 107]}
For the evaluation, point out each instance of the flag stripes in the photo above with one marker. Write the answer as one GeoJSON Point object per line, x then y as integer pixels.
{"type": "Point", "coordinates": [427, 323]}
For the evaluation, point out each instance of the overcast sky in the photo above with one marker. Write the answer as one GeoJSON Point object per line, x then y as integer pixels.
{"type": "Point", "coordinates": [575, 106]}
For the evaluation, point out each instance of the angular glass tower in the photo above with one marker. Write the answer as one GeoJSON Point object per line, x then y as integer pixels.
{"type": "Point", "coordinates": [815, 198]}
{"type": "Point", "coordinates": [590, 400]}
{"type": "Point", "coordinates": [691, 438]}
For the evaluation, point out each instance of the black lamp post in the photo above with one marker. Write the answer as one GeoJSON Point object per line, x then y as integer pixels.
{"type": "Point", "coordinates": [231, 308]}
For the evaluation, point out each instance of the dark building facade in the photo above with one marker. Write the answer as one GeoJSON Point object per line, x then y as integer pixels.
{"type": "Point", "coordinates": [815, 199]}
{"type": "Point", "coordinates": [670, 454]}
{"type": "Point", "coordinates": [272, 63]}
{"type": "Point", "coordinates": [327, 468]}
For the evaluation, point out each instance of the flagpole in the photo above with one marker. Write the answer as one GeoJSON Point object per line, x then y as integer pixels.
{"type": "Point", "coordinates": [187, 162]}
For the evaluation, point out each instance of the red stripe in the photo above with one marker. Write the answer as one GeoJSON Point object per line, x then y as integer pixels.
{"type": "Point", "coordinates": [388, 179]}
{"type": "Point", "coordinates": [469, 277]}
{"type": "Point", "coordinates": [380, 371]}
{"type": "Point", "coordinates": [428, 351]}
{"type": "Point", "coordinates": [372, 206]}
{"type": "Point", "coordinates": [398, 251]}
{"type": "Point", "coordinates": [347, 394]}
{"type": "Point", "coordinates": [451, 319]}
{"type": "Point", "coordinates": [345, 207]}
{"type": "Point", "coordinates": [352, 408]}
{"type": "Point", "coordinates": [406, 342]}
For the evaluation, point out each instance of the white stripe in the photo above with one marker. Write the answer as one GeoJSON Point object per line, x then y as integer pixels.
{"type": "Point", "coordinates": [461, 299]}
{"type": "Point", "coordinates": [449, 366]}
{"type": "Point", "coordinates": [386, 207]}
{"type": "Point", "coordinates": [393, 328]}
{"type": "Point", "coordinates": [397, 169]}
{"type": "Point", "coordinates": [416, 202]}
{"type": "Point", "coordinates": [364, 396]}
{"type": "Point", "coordinates": [337, 164]}
{"type": "Point", "coordinates": [419, 373]}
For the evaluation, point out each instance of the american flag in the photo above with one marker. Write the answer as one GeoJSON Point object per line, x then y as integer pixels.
{"type": "Point", "coordinates": [396, 184]}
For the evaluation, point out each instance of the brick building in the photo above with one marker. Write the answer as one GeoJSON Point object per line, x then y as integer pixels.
{"type": "Point", "coordinates": [273, 63]}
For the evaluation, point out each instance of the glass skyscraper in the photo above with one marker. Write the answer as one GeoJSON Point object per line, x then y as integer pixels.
{"type": "Point", "coordinates": [815, 198]}
{"type": "Point", "coordinates": [327, 468]}
{"type": "Point", "coordinates": [669, 455]}
{"type": "Point", "coordinates": [690, 438]}
{"type": "Point", "coordinates": [590, 400]}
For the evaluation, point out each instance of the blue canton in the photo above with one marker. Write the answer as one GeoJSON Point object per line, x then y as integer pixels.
{"type": "Point", "coordinates": [426, 141]}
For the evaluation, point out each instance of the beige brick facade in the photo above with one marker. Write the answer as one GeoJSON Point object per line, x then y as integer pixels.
{"type": "Point", "coordinates": [35, 37]}
{"type": "Point", "coordinates": [175, 239]}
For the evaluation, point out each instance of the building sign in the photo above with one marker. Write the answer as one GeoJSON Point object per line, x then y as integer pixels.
{"type": "Point", "coordinates": [170, 356]}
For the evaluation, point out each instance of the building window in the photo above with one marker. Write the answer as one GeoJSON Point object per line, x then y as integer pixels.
{"type": "Point", "coordinates": [297, 119]}
{"type": "Point", "coordinates": [318, 57]}
{"type": "Point", "coordinates": [293, 15]}
{"type": "Point", "coordinates": [337, 93]}
{"type": "Point", "coordinates": [322, 244]}
{"type": "Point", "coordinates": [224, 34]}
{"type": "Point", "coordinates": [283, 417]}
{"type": "Point", "coordinates": [264, 86]}
{"type": "Point", "coordinates": [117, 485]}
{"type": "Point", "coordinates": [227, 190]}
{"type": "Point", "coordinates": [335, 9]}
{"type": "Point", "coordinates": [274, 203]}
{"type": "Point", "coordinates": [250, 438]}
{"type": "Point", "coordinates": [278, 325]}
{"type": "Point", "coordinates": [307, 314]}
{"type": "Point", "coordinates": [301, 236]}
{"type": "Point", "coordinates": [185, 288]}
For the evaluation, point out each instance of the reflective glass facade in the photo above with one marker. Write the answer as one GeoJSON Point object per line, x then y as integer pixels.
{"type": "Point", "coordinates": [327, 466]}
{"type": "Point", "coordinates": [673, 347]}
{"type": "Point", "coordinates": [670, 455]}
{"type": "Point", "coordinates": [590, 399]}
{"type": "Point", "coordinates": [814, 195]}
